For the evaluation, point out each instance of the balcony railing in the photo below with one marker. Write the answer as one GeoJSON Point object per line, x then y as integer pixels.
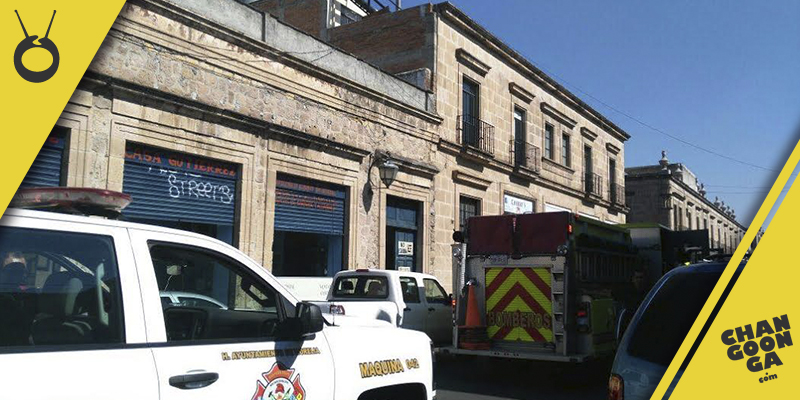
{"type": "Point", "coordinates": [372, 6]}
{"type": "Point", "coordinates": [476, 134]}
{"type": "Point", "coordinates": [593, 184]}
{"type": "Point", "coordinates": [617, 194]}
{"type": "Point", "coordinates": [526, 155]}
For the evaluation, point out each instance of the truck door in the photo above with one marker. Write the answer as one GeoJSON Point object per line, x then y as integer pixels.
{"type": "Point", "coordinates": [228, 347]}
{"type": "Point", "coordinates": [414, 312]}
{"type": "Point", "coordinates": [70, 313]}
{"type": "Point", "coordinates": [439, 318]}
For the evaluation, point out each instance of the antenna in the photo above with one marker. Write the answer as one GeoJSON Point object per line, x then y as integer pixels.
{"type": "Point", "coordinates": [48, 26]}
{"type": "Point", "coordinates": [23, 25]}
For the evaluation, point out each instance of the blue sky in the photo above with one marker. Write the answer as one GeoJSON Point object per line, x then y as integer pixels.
{"type": "Point", "coordinates": [724, 75]}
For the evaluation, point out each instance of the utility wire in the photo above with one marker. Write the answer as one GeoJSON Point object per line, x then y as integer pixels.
{"type": "Point", "coordinates": [650, 126]}
{"type": "Point", "coordinates": [754, 192]}
{"type": "Point", "coordinates": [740, 187]}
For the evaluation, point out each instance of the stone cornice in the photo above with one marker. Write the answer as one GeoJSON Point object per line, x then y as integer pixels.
{"type": "Point", "coordinates": [553, 112]}
{"type": "Point", "coordinates": [471, 180]}
{"type": "Point", "coordinates": [587, 133]}
{"type": "Point", "coordinates": [408, 165]}
{"type": "Point", "coordinates": [472, 62]}
{"type": "Point", "coordinates": [520, 92]}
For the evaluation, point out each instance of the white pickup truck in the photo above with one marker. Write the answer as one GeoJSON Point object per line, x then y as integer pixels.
{"type": "Point", "coordinates": [82, 315]}
{"type": "Point", "coordinates": [409, 300]}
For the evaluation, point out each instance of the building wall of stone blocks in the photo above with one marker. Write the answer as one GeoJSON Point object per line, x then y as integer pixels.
{"type": "Point", "coordinates": [672, 202]}
{"type": "Point", "coordinates": [647, 202]}
{"type": "Point", "coordinates": [309, 16]}
{"type": "Point", "coordinates": [247, 107]}
{"type": "Point", "coordinates": [175, 81]}
{"type": "Point", "coordinates": [558, 185]}
{"type": "Point", "coordinates": [397, 42]}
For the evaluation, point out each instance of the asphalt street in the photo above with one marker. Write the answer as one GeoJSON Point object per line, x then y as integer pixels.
{"type": "Point", "coordinates": [485, 379]}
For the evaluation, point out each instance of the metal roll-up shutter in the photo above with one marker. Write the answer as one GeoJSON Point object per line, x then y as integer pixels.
{"type": "Point", "coordinates": [172, 186]}
{"type": "Point", "coordinates": [46, 168]}
{"type": "Point", "coordinates": [307, 206]}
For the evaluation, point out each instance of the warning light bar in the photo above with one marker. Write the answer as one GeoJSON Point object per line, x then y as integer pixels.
{"type": "Point", "coordinates": [82, 201]}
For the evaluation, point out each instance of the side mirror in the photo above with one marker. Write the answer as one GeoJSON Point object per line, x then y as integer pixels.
{"type": "Point", "coordinates": [450, 299]}
{"type": "Point", "coordinates": [307, 321]}
{"type": "Point", "coordinates": [311, 317]}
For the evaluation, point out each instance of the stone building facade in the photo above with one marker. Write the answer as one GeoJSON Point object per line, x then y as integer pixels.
{"type": "Point", "coordinates": [220, 82]}
{"type": "Point", "coordinates": [671, 195]}
{"type": "Point", "coordinates": [512, 139]}
{"type": "Point", "coordinates": [216, 101]}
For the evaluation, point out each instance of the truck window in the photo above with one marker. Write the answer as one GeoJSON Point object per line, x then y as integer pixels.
{"type": "Point", "coordinates": [58, 289]}
{"type": "Point", "coordinates": [434, 293]}
{"type": "Point", "coordinates": [669, 316]}
{"type": "Point", "coordinates": [410, 289]}
{"type": "Point", "coordinates": [361, 287]}
{"type": "Point", "coordinates": [218, 298]}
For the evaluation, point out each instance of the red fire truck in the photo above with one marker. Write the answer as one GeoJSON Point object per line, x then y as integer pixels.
{"type": "Point", "coordinates": [543, 286]}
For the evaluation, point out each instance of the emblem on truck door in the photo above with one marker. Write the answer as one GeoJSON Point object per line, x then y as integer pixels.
{"type": "Point", "coordinates": [279, 385]}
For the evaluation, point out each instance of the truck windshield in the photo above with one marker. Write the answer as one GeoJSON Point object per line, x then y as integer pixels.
{"type": "Point", "coordinates": [361, 287]}
{"type": "Point", "coordinates": [670, 315]}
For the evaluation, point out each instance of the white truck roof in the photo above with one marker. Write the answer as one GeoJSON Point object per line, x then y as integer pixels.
{"type": "Point", "coordinates": [57, 216]}
{"type": "Point", "coordinates": [385, 272]}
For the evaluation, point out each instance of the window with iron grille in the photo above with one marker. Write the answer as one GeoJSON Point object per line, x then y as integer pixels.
{"type": "Point", "coordinates": [519, 136]}
{"type": "Point", "coordinates": [470, 97]}
{"type": "Point", "coordinates": [467, 207]}
{"type": "Point", "coordinates": [548, 141]}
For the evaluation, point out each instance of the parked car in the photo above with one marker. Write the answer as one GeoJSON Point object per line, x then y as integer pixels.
{"type": "Point", "coordinates": [658, 328]}
{"type": "Point", "coordinates": [408, 300]}
{"type": "Point", "coordinates": [81, 311]}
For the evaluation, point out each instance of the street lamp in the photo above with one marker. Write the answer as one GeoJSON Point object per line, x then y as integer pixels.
{"type": "Point", "coordinates": [388, 172]}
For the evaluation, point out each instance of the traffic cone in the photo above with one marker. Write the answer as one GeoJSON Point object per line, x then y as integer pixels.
{"type": "Point", "coordinates": [473, 335]}
{"type": "Point", "coordinates": [473, 315]}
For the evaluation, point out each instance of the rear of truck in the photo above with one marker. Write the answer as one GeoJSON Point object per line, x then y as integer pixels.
{"type": "Point", "coordinates": [544, 285]}
{"type": "Point", "coordinates": [363, 293]}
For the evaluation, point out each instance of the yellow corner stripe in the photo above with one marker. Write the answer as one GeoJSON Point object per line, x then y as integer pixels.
{"type": "Point", "coordinates": [768, 308]}
{"type": "Point", "coordinates": [32, 109]}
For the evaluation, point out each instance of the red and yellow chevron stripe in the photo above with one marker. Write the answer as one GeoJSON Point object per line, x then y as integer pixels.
{"type": "Point", "coordinates": [518, 304]}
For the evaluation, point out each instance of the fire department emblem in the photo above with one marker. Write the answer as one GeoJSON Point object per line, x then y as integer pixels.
{"type": "Point", "coordinates": [279, 385]}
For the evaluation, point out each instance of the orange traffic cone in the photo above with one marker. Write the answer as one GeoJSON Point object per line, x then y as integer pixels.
{"type": "Point", "coordinates": [473, 335]}
{"type": "Point", "coordinates": [473, 315]}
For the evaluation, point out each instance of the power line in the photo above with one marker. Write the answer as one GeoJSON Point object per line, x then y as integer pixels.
{"type": "Point", "coordinates": [748, 192]}
{"type": "Point", "coordinates": [654, 128]}
{"type": "Point", "coordinates": [739, 187]}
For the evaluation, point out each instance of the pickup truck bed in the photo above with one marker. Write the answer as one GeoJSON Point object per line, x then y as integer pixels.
{"type": "Point", "coordinates": [408, 300]}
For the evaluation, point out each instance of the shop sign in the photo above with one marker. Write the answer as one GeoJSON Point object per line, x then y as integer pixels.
{"type": "Point", "coordinates": [516, 205]}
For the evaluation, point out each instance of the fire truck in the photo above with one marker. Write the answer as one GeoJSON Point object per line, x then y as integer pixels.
{"type": "Point", "coordinates": [539, 286]}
